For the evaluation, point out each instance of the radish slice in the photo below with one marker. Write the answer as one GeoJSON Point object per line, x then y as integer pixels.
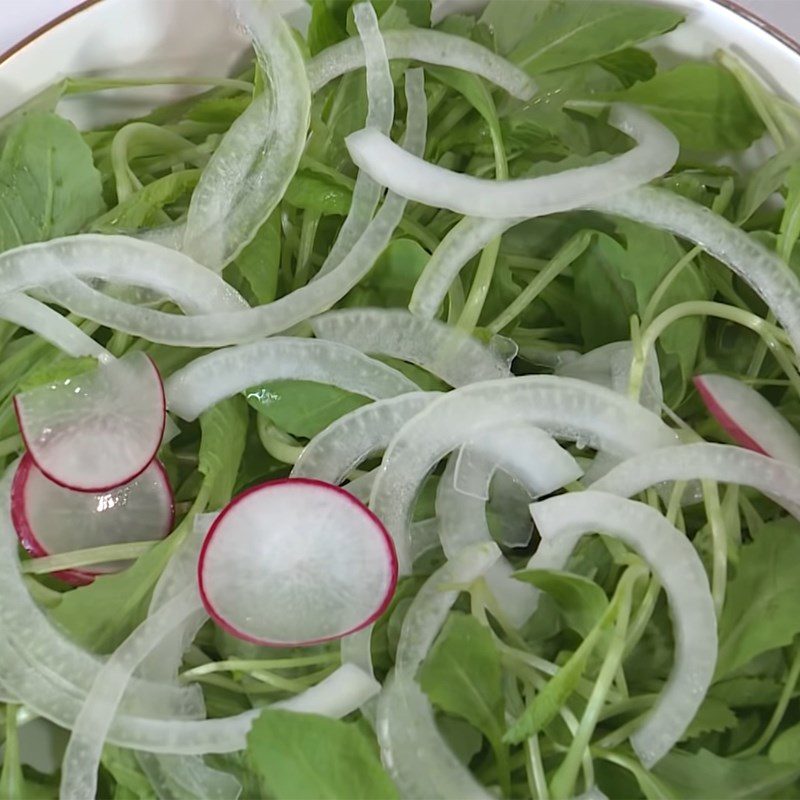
{"type": "Point", "coordinates": [593, 415]}
{"type": "Point", "coordinates": [655, 153]}
{"type": "Point", "coordinates": [380, 115]}
{"type": "Point", "coordinates": [223, 373]}
{"type": "Point", "coordinates": [50, 519]}
{"type": "Point", "coordinates": [333, 453]}
{"type": "Point", "coordinates": [449, 354]}
{"type": "Point", "coordinates": [610, 365]}
{"type": "Point", "coordinates": [702, 461]}
{"type": "Point", "coordinates": [563, 520]}
{"type": "Point", "coordinates": [317, 563]}
{"type": "Point", "coordinates": [120, 259]}
{"type": "Point", "coordinates": [749, 418]}
{"type": "Point", "coordinates": [431, 47]}
{"type": "Point", "coordinates": [255, 160]}
{"type": "Point", "coordinates": [96, 431]}
{"type": "Point", "coordinates": [51, 326]}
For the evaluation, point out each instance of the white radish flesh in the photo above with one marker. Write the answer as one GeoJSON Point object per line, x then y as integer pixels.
{"type": "Point", "coordinates": [654, 154]}
{"type": "Point", "coordinates": [431, 47]}
{"type": "Point", "coordinates": [563, 520]}
{"type": "Point", "coordinates": [749, 418]}
{"type": "Point", "coordinates": [98, 430]}
{"type": "Point", "coordinates": [50, 519]}
{"type": "Point", "coordinates": [294, 562]}
{"type": "Point", "coordinates": [223, 373]}
{"type": "Point", "coordinates": [450, 354]}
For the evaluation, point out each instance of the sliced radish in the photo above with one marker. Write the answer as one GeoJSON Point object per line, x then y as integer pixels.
{"type": "Point", "coordinates": [749, 418]}
{"type": "Point", "coordinates": [50, 519]}
{"type": "Point", "coordinates": [295, 562]}
{"type": "Point", "coordinates": [99, 430]}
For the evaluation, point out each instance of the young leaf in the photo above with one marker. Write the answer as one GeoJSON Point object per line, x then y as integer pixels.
{"type": "Point", "coordinates": [303, 756]}
{"type": "Point", "coordinates": [392, 279]}
{"type": "Point", "coordinates": [313, 191]}
{"type": "Point", "coordinates": [762, 610]}
{"type": "Point", "coordinates": [302, 408]}
{"type": "Point", "coordinates": [747, 692]}
{"type": "Point", "coordinates": [571, 32]}
{"type": "Point", "coordinates": [224, 430]}
{"type": "Point", "coordinates": [702, 104]}
{"type": "Point", "coordinates": [713, 716]}
{"type": "Point", "coordinates": [786, 747]}
{"type": "Point", "coordinates": [581, 601]}
{"type": "Point", "coordinates": [260, 261]}
{"type": "Point", "coordinates": [49, 186]}
{"type": "Point", "coordinates": [629, 66]}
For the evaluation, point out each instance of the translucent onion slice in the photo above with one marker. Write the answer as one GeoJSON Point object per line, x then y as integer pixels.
{"type": "Point", "coordinates": [763, 270]}
{"type": "Point", "coordinates": [51, 326]}
{"type": "Point", "coordinates": [224, 328]}
{"type": "Point", "coordinates": [563, 520]}
{"type": "Point", "coordinates": [564, 407]}
{"type": "Point", "coordinates": [703, 461]}
{"type": "Point", "coordinates": [223, 373]}
{"type": "Point", "coordinates": [380, 115]}
{"type": "Point", "coordinates": [119, 259]}
{"type": "Point", "coordinates": [508, 502]}
{"type": "Point", "coordinates": [50, 519]}
{"type": "Point", "coordinates": [430, 47]}
{"type": "Point", "coordinates": [610, 365]}
{"type": "Point", "coordinates": [187, 777]}
{"type": "Point", "coordinates": [449, 354]}
{"type": "Point", "coordinates": [655, 153]}
{"type": "Point", "coordinates": [255, 160]}
{"type": "Point", "coordinates": [333, 453]}
{"type": "Point", "coordinates": [749, 418]}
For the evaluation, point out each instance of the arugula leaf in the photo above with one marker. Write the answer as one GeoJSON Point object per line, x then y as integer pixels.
{"type": "Point", "coordinates": [571, 32]}
{"type": "Point", "coordinates": [702, 104]}
{"type": "Point", "coordinates": [762, 610]}
{"type": "Point", "coordinates": [391, 281]}
{"type": "Point", "coordinates": [786, 747]}
{"type": "Point", "coordinates": [57, 372]}
{"type": "Point", "coordinates": [713, 716]}
{"type": "Point", "coordinates": [747, 692]}
{"type": "Point", "coordinates": [48, 182]}
{"type": "Point", "coordinates": [324, 29]}
{"type": "Point", "coordinates": [131, 782]}
{"type": "Point", "coordinates": [224, 430]}
{"type": "Point", "coordinates": [260, 261]}
{"type": "Point", "coordinates": [581, 601]}
{"type": "Point", "coordinates": [629, 66]}
{"type": "Point", "coordinates": [303, 756]}
{"type": "Point", "coordinates": [302, 408]}
{"type": "Point", "coordinates": [313, 191]}
{"type": "Point", "coordinates": [765, 181]}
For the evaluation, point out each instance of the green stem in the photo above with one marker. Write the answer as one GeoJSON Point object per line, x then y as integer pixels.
{"type": "Point", "coordinates": [89, 555]}
{"type": "Point", "coordinates": [251, 665]}
{"type": "Point", "coordinates": [278, 444]}
{"type": "Point", "coordinates": [12, 782]}
{"type": "Point", "coordinates": [305, 249]}
{"type": "Point", "coordinates": [719, 539]}
{"type": "Point", "coordinates": [84, 85]}
{"type": "Point", "coordinates": [476, 298]}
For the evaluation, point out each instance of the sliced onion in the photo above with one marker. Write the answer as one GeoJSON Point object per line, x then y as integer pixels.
{"type": "Point", "coordinates": [334, 452]}
{"type": "Point", "coordinates": [655, 153]}
{"type": "Point", "coordinates": [509, 502]}
{"type": "Point", "coordinates": [187, 777]}
{"type": "Point", "coordinates": [51, 326]}
{"type": "Point", "coordinates": [223, 373]}
{"type": "Point", "coordinates": [449, 354]}
{"type": "Point", "coordinates": [610, 365]}
{"type": "Point", "coordinates": [380, 115]}
{"type": "Point", "coordinates": [764, 271]}
{"type": "Point", "coordinates": [749, 418]}
{"type": "Point", "coordinates": [703, 461]}
{"type": "Point", "coordinates": [567, 408]}
{"type": "Point", "coordinates": [563, 520]}
{"type": "Point", "coordinates": [50, 519]}
{"type": "Point", "coordinates": [120, 259]}
{"type": "Point", "coordinates": [218, 329]}
{"type": "Point", "coordinates": [430, 47]}
{"type": "Point", "coordinates": [246, 177]}
{"type": "Point", "coordinates": [96, 431]}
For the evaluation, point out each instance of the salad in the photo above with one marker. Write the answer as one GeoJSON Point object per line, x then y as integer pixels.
{"type": "Point", "coordinates": [411, 415]}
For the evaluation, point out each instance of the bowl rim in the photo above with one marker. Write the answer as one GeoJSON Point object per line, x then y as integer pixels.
{"type": "Point", "coordinates": [746, 14]}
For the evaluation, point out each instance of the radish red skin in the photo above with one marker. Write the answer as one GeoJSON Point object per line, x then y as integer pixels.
{"type": "Point", "coordinates": [239, 634]}
{"type": "Point", "coordinates": [107, 487]}
{"type": "Point", "coordinates": [32, 545]}
{"type": "Point", "coordinates": [737, 433]}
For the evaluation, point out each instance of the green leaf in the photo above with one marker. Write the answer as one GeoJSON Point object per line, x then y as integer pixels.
{"type": "Point", "coordinates": [762, 608]}
{"type": "Point", "coordinates": [713, 716]}
{"type": "Point", "coordinates": [219, 110]}
{"type": "Point", "coordinates": [747, 692]}
{"type": "Point", "coordinates": [60, 371]}
{"type": "Point", "coordinates": [313, 191]}
{"type": "Point", "coordinates": [581, 601]}
{"type": "Point", "coordinates": [462, 675]}
{"type": "Point", "coordinates": [302, 408]}
{"type": "Point", "coordinates": [308, 757]}
{"type": "Point", "coordinates": [391, 281]}
{"type": "Point", "coordinates": [224, 430]}
{"type": "Point", "coordinates": [702, 104]}
{"type": "Point", "coordinates": [324, 29]}
{"type": "Point", "coordinates": [765, 181]}
{"type": "Point", "coordinates": [704, 774]}
{"type": "Point", "coordinates": [629, 66]}
{"type": "Point", "coordinates": [126, 772]}
{"type": "Point", "coordinates": [786, 747]}
{"type": "Point", "coordinates": [260, 260]}
{"type": "Point", "coordinates": [572, 32]}
{"type": "Point", "coordinates": [48, 182]}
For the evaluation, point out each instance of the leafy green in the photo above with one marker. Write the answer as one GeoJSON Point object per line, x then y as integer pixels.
{"type": "Point", "coordinates": [57, 372]}
{"type": "Point", "coordinates": [392, 279]}
{"type": "Point", "coordinates": [313, 191]}
{"type": "Point", "coordinates": [629, 66]}
{"type": "Point", "coordinates": [224, 430]}
{"type": "Point", "coordinates": [786, 747]}
{"type": "Point", "coordinates": [48, 182]}
{"type": "Point", "coordinates": [260, 261]}
{"type": "Point", "coordinates": [713, 716]}
{"type": "Point", "coordinates": [304, 756]}
{"type": "Point", "coordinates": [702, 104]}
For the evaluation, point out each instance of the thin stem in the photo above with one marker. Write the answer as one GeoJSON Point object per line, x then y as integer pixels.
{"type": "Point", "coordinates": [255, 665]}
{"type": "Point", "coordinates": [719, 539]}
{"type": "Point", "coordinates": [87, 556]}
{"type": "Point", "coordinates": [278, 444]}
{"type": "Point", "coordinates": [85, 85]}
{"type": "Point", "coordinates": [480, 287]}
{"type": "Point", "coordinates": [308, 232]}
{"type": "Point", "coordinates": [537, 781]}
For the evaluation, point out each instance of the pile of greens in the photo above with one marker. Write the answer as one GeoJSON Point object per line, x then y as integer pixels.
{"type": "Point", "coordinates": [508, 702]}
